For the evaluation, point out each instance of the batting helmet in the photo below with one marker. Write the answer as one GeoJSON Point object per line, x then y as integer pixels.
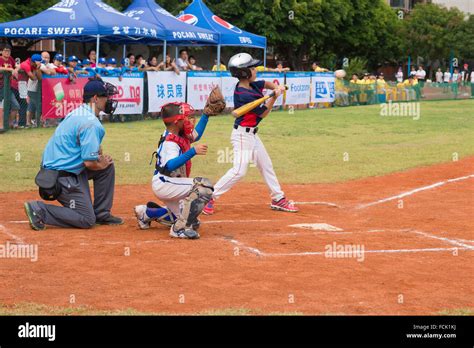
{"type": "Point", "coordinates": [240, 64]}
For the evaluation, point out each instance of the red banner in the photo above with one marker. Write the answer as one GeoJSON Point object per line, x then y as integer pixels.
{"type": "Point", "coordinates": [60, 96]}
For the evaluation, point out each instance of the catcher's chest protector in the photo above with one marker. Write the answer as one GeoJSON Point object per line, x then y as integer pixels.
{"type": "Point", "coordinates": [184, 144]}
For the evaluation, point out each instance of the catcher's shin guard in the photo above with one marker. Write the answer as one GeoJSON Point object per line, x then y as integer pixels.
{"type": "Point", "coordinates": [193, 204]}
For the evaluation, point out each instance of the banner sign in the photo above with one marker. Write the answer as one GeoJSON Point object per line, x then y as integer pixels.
{"type": "Point", "coordinates": [200, 84]}
{"type": "Point", "coordinates": [299, 88]}
{"type": "Point", "coordinates": [323, 88]}
{"type": "Point", "coordinates": [165, 87]}
{"type": "Point", "coordinates": [275, 77]}
{"type": "Point", "coordinates": [130, 96]}
{"type": "Point", "coordinates": [60, 96]}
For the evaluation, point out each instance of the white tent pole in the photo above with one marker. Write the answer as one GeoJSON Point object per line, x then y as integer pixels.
{"type": "Point", "coordinates": [124, 51]}
{"type": "Point", "coordinates": [218, 58]}
{"type": "Point", "coordinates": [164, 53]}
{"type": "Point", "coordinates": [176, 53]}
{"type": "Point", "coordinates": [265, 57]}
{"type": "Point", "coordinates": [97, 49]}
{"type": "Point", "coordinates": [64, 49]}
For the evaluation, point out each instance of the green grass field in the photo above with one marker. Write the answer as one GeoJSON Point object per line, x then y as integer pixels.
{"type": "Point", "coordinates": [307, 146]}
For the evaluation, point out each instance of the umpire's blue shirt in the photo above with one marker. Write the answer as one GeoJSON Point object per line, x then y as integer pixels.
{"type": "Point", "coordinates": [77, 139]}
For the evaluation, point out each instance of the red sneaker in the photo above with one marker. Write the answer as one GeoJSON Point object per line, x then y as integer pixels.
{"type": "Point", "coordinates": [209, 208]}
{"type": "Point", "coordinates": [284, 205]}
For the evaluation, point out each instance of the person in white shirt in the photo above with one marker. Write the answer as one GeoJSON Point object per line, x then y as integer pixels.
{"type": "Point", "coordinates": [183, 61]}
{"type": "Point", "coordinates": [399, 75]}
{"type": "Point", "coordinates": [472, 84]}
{"type": "Point", "coordinates": [447, 80]}
{"type": "Point", "coordinates": [439, 76]}
{"type": "Point", "coordinates": [420, 76]}
{"type": "Point", "coordinates": [33, 96]}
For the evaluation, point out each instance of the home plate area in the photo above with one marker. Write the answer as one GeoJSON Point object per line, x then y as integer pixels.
{"type": "Point", "coordinates": [322, 239]}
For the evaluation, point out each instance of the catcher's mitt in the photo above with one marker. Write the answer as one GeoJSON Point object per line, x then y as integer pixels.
{"type": "Point", "coordinates": [215, 103]}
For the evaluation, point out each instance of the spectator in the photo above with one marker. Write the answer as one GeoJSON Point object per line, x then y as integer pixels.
{"type": "Point", "coordinates": [447, 80]}
{"type": "Point", "coordinates": [222, 66]}
{"type": "Point", "coordinates": [465, 74]}
{"type": "Point", "coordinates": [315, 66]}
{"type": "Point", "coordinates": [31, 70]}
{"type": "Point", "coordinates": [141, 63]}
{"type": "Point", "coordinates": [354, 90]}
{"type": "Point", "coordinates": [456, 79]}
{"type": "Point", "coordinates": [58, 64]}
{"type": "Point", "coordinates": [33, 99]}
{"type": "Point", "coordinates": [101, 68]}
{"type": "Point", "coordinates": [399, 75]}
{"type": "Point", "coordinates": [439, 76]}
{"type": "Point", "coordinates": [472, 83]}
{"type": "Point", "coordinates": [74, 69]}
{"type": "Point", "coordinates": [412, 72]}
{"type": "Point", "coordinates": [8, 65]}
{"type": "Point", "coordinates": [183, 63]}
{"type": "Point", "coordinates": [47, 68]}
{"type": "Point", "coordinates": [381, 89]}
{"type": "Point", "coordinates": [92, 56]}
{"type": "Point", "coordinates": [421, 76]}
{"type": "Point", "coordinates": [169, 65]}
{"type": "Point", "coordinates": [152, 64]}
{"type": "Point", "coordinates": [192, 63]}
{"type": "Point", "coordinates": [132, 62]}
{"type": "Point", "coordinates": [280, 68]}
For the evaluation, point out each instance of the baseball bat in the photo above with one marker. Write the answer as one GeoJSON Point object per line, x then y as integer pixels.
{"type": "Point", "coordinates": [252, 105]}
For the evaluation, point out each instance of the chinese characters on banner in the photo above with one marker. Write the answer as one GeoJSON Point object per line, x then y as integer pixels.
{"type": "Point", "coordinates": [165, 87]}
{"type": "Point", "coordinates": [200, 84]}
{"type": "Point", "coordinates": [323, 88]}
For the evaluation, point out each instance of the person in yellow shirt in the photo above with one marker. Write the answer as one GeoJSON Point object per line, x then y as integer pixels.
{"type": "Point", "coordinates": [354, 90]}
{"type": "Point", "coordinates": [381, 89]}
{"type": "Point", "coordinates": [315, 66]}
{"type": "Point", "coordinates": [222, 67]}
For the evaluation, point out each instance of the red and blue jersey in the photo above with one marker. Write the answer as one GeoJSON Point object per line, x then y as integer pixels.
{"type": "Point", "coordinates": [244, 96]}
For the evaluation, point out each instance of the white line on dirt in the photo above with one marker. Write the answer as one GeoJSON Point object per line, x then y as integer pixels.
{"type": "Point", "coordinates": [301, 203]}
{"type": "Point", "coordinates": [444, 239]}
{"type": "Point", "coordinates": [245, 247]}
{"type": "Point", "coordinates": [411, 192]}
{"type": "Point", "coordinates": [17, 239]}
{"type": "Point", "coordinates": [310, 253]}
{"type": "Point", "coordinates": [232, 221]}
{"type": "Point", "coordinates": [19, 222]}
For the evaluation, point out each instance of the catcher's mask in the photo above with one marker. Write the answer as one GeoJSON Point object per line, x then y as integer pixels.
{"type": "Point", "coordinates": [100, 88]}
{"type": "Point", "coordinates": [240, 64]}
{"type": "Point", "coordinates": [174, 112]}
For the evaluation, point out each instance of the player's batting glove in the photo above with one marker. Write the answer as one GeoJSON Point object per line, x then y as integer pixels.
{"type": "Point", "coordinates": [215, 103]}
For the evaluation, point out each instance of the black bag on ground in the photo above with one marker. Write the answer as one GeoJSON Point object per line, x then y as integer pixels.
{"type": "Point", "coordinates": [47, 181]}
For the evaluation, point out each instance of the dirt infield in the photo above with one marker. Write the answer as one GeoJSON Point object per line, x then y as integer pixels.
{"type": "Point", "coordinates": [416, 228]}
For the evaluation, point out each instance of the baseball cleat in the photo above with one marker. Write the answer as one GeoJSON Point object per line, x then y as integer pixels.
{"type": "Point", "coordinates": [284, 205]}
{"type": "Point", "coordinates": [142, 219]}
{"type": "Point", "coordinates": [36, 222]}
{"type": "Point", "coordinates": [209, 208]}
{"type": "Point", "coordinates": [184, 233]}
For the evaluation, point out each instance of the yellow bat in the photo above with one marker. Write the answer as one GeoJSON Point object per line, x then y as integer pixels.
{"type": "Point", "coordinates": [252, 105]}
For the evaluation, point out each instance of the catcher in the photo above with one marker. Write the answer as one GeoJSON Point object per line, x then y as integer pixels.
{"type": "Point", "coordinates": [185, 197]}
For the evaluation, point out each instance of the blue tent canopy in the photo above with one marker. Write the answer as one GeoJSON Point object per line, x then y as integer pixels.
{"type": "Point", "coordinates": [200, 15]}
{"type": "Point", "coordinates": [83, 20]}
{"type": "Point", "coordinates": [176, 31]}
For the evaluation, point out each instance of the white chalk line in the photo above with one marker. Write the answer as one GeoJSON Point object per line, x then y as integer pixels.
{"type": "Point", "coordinates": [382, 251]}
{"type": "Point", "coordinates": [17, 239]}
{"type": "Point", "coordinates": [247, 248]}
{"type": "Point", "coordinates": [411, 192]}
{"type": "Point", "coordinates": [300, 203]}
{"type": "Point", "coordinates": [444, 239]}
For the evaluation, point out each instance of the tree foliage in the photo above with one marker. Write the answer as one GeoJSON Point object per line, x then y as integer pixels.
{"type": "Point", "coordinates": [324, 30]}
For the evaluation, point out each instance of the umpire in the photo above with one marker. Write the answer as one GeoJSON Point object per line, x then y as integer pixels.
{"type": "Point", "coordinates": [72, 157]}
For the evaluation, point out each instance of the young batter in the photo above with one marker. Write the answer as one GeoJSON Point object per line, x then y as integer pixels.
{"type": "Point", "coordinates": [184, 197]}
{"type": "Point", "coordinates": [245, 141]}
